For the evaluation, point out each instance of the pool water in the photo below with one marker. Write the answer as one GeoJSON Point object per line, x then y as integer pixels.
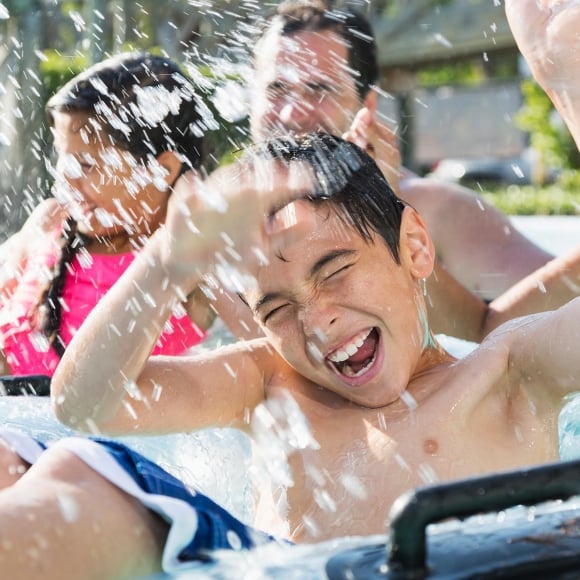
{"type": "Point", "coordinates": [555, 234]}
{"type": "Point", "coordinates": [216, 462]}
{"type": "Point", "coordinates": [210, 460]}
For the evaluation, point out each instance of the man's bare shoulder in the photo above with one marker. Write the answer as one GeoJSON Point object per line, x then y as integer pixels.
{"type": "Point", "coordinates": [426, 193]}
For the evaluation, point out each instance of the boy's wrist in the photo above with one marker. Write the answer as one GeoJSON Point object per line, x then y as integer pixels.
{"type": "Point", "coordinates": [177, 274]}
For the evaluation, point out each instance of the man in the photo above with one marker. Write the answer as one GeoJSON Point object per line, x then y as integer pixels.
{"type": "Point", "coordinates": [314, 70]}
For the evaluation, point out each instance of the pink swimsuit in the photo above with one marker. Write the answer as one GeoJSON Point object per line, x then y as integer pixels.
{"type": "Point", "coordinates": [86, 281]}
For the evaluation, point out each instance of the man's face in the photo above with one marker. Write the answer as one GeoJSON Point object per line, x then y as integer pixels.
{"type": "Point", "coordinates": [339, 309]}
{"type": "Point", "coordinates": [302, 84]}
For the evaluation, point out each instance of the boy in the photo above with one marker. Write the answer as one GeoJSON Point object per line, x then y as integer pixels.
{"type": "Point", "coordinates": [337, 273]}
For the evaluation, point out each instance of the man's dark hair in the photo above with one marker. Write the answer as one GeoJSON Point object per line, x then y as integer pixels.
{"type": "Point", "coordinates": [294, 16]}
{"type": "Point", "coordinates": [347, 179]}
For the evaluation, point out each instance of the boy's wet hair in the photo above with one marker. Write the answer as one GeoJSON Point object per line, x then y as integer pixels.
{"type": "Point", "coordinates": [144, 103]}
{"type": "Point", "coordinates": [347, 179]}
{"type": "Point", "coordinates": [293, 16]}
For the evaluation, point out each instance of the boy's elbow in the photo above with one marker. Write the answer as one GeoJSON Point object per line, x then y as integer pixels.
{"type": "Point", "coordinates": [64, 414]}
{"type": "Point", "coordinates": [69, 412]}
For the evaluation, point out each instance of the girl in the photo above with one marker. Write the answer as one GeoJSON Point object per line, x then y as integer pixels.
{"type": "Point", "coordinates": [124, 131]}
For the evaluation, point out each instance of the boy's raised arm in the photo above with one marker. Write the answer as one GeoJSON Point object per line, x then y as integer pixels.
{"type": "Point", "coordinates": [219, 220]}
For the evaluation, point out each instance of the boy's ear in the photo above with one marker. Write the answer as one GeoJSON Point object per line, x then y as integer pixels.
{"type": "Point", "coordinates": [416, 246]}
{"type": "Point", "coordinates": [172, 164]}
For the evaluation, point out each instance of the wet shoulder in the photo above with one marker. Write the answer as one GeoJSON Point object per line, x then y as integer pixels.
{"type": "Point", "coordinates": [481, 376]}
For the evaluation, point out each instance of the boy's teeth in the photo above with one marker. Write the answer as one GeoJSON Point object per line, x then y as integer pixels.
{"type": "Point", "coordinates": [351, 349]}
{"type": "Point", "coordinates": [348, 350]}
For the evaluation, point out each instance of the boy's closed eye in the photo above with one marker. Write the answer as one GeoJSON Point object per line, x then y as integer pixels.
{"type": "Point", "coordinates": [335, 272]}
{"type": "Point", "coordinates": [274, 312]}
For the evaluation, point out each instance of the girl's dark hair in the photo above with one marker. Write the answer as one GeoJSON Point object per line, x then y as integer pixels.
{"type": "Point", "coordinates": [143, 104]}
{"type": "Point", "coordinates": [50, 308]}
{"type": "Point", "coordinates": [293, 16]}
{"type": "Point", "coordinates": [347, 179]}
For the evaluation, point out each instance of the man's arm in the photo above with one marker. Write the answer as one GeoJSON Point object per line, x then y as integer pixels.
{"type": "Point", "coordinates": [547, 35]}
{"type": "Point", "coordinates": [548, 288]}
{"type": "Point", "coordinates": [455, 311]}
{"type": "Point", "coordinates": [475, 242]}
{"type": "Point", "coordinates": [452, 309]}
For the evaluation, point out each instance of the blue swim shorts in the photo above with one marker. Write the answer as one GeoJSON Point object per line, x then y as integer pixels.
{"type": "Point", "coordinates": [197, 524]}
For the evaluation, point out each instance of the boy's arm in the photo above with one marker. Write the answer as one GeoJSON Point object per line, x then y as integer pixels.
{"type": "Point", "coordinates": [107, 382]}
{"type": "Point", "coordinates": [543, 355]}
{"type": "Point", "coordinates": [108, 358]}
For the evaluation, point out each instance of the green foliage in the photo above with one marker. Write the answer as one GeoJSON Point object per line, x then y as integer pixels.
{"type": "Point", "coordinates": [227, 136]}
{"type": "Point", "coordinates": [58, 69]}
{"type": "Point", "coordinates": [570, 180]}
{"type": "Point", "coordinates": [465, 73]}
{"type": "Point", "coordinates": [530, 200]}
{"type": "Point", "coordinates": [548, 134]}
{"type": "Point", "coordinates": [471, 72]}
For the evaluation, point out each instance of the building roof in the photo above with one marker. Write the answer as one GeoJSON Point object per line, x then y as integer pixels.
{"type": "Point", "coordinates": [427, 32]}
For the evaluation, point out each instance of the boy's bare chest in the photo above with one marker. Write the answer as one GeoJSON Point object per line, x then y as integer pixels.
{"type": "Point", "coordinates": [363, 464]}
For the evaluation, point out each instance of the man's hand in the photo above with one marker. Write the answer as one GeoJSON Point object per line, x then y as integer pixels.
{"type": "Point", "coordinates": [39, 233]}
{"type": "Point", "coordinates": [379, 142]}
{"type": "Point", "coordinates": [546, 32]}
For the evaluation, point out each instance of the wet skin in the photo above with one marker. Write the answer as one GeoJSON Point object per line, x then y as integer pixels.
{"type": "Point", "coordinates": [312, 301]}
{"type": "Point", "coordinates": [413, 415]}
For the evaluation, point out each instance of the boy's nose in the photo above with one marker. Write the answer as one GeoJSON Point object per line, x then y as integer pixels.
{"type": "Point", "coordinates": [317, 320]}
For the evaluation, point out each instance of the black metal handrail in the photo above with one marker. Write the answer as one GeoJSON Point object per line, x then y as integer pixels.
{"type": "Point", "coordinates": [414, 511]}
{"type": "Point", "coordinates": [25, 385]}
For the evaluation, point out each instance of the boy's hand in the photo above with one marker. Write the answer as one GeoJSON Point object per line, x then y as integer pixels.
{"type": "Point", "coordinates": [225, 219]}
{"type": "Point", "coordinates": [379, 142]}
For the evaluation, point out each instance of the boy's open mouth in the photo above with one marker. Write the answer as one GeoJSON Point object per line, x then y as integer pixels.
{"type": "Point", "coordinates": [354, 358]}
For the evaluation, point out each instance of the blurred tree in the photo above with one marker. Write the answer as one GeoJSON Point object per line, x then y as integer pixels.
{"type": "Point", "coordinates": [548, 134]}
